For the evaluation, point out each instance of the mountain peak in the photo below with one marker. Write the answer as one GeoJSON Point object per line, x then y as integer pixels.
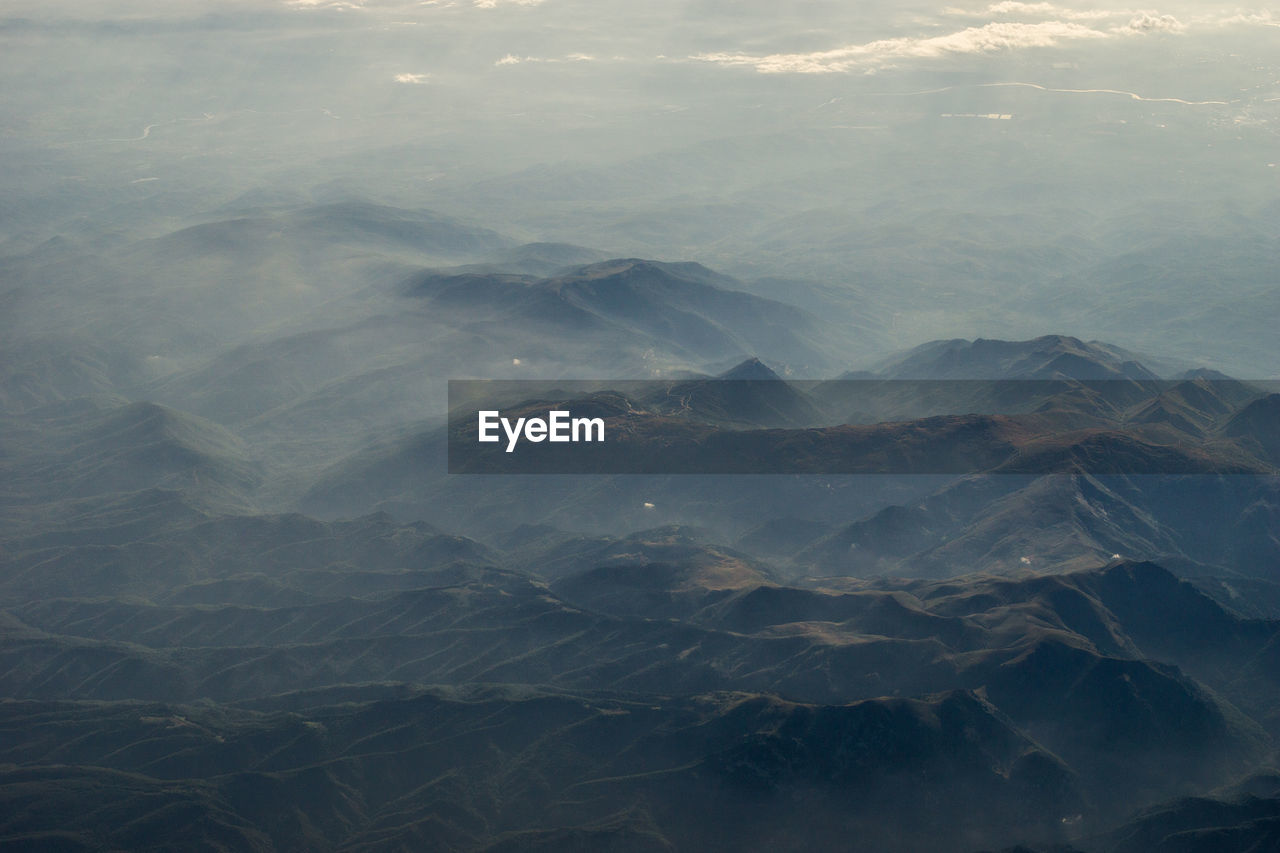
{"type": "Point", "coordinates": [1045, 357]}
{"type": "Point", "coordinates": [1257, 424]}
{"type": "Point", "coordinates": [751, 369]}
{"type": "Point", "coordinates": [632, 268]}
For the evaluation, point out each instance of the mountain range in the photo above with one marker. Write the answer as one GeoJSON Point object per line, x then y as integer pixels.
{"type": "Point", "coordinates": [244, 605]}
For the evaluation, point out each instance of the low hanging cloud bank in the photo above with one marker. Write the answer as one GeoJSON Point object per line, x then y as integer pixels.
{"type": "Point", "coordinates": [1043, 25]}
{"type": "Point", "coordinates": [992, 37]}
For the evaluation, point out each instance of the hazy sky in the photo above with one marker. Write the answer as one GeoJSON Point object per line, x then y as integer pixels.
{"type": "Point", "coordinates": [910, 151]}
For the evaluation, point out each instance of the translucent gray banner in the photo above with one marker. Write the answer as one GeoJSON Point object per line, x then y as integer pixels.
{"type": "Point", "coordinates": [864, 426]}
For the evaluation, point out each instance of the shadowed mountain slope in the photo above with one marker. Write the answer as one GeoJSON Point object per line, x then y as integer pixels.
{"type": "Point", "coordinates": [467, 770]}
{"type": "Point", "coordinates": [94, 447]}
{"type": "Point", "coordinates": [1048, 357]}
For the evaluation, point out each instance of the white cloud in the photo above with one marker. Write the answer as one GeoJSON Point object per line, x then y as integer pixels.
{"type": "Point", "coordinates": [1152, 22]}
{"type": "Point", "coordinates": [1128, 21]}
{"type": "Point", "coordinates": [326, 4]}
{"type": "Point", "coordinates": [985, 39]}
{"type": "Point", "coordinates": [512, 59]}
{"type": "Point", "coordinates": [412, 78]}
{"type": "Point", "coordinates": [493, 4]}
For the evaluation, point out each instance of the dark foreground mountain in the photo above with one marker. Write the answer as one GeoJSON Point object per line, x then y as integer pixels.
{"type": "Point", "coordinates": [181, 671]}
{"type": "Point", "coordinates": [449, 770]}
{"type": "Point", "coordinates": [1245, 817]}
{"type": "Point", "coordinates": [261, 686]}
{"type": "Point", "coordinates": [271, 682]}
